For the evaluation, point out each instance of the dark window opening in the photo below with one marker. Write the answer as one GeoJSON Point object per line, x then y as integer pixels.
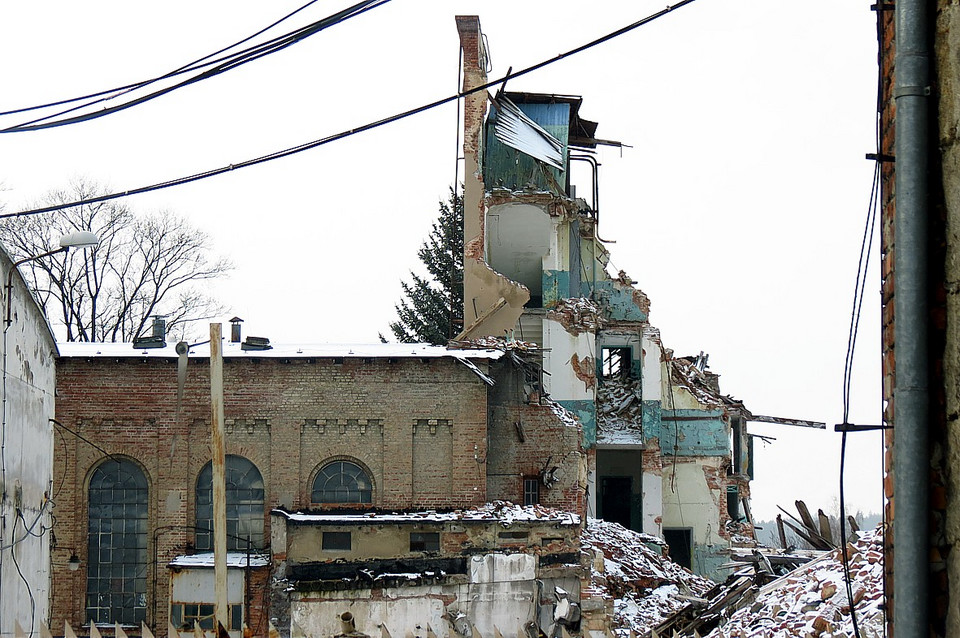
{"type": "Point", "coordinates": [513, 536]}
{"type": "Point", "coordinates": [336, 541]}
{"type": "Point", "coordinates": [733, 503]}
{"type": "Point", "coordinates": [615, 363]}
{"type": "Point", "coordinates": [424, 541]}
{"type": "Point", "coordinates": [342, 482]}
{"type": "Point", "coordinates": [531, 491]}
{"type": "Point", "coordinates": [736, 446]}
{"type": "Point", "coordinates": [244, 505]}
{"type": "Point", "coordinates": [615, 503]}
{"type": "Point", "coordinates": [680, 541]}
{"type": "Point", "coordinates": [117, 544]}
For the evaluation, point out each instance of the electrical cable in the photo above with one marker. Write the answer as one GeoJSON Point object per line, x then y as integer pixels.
{"type": "Point", "coordinates": [344, 134]}
{"type": "Point", "coordinates": [866, 246]}
{"type": "Point", "coordinates": [84, 439]}
{"type": "Point", "coordinates": [222, 65]}
{"type": "Point", "coordinates": [26, 584]}
{"type": "Point", "coordinates": [189, 66]}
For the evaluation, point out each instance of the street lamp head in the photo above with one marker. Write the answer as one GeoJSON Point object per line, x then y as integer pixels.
{"type": "Point", "coordinates": [80, 239]}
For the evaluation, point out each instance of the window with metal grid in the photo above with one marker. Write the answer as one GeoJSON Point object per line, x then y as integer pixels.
{"type": "Point", "coordinates": [244, 505]}
{"type": "Point", "coordinates": [117, 544]}
{"type": "Point", "coordinates": [342, 482]}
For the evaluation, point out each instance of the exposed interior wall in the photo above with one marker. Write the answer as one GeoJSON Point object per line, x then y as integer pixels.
{"type": "Point", "coordinates": [694, 498]}
{"type": "Point", "coordinates": [487, 294]}
{"type": "Point", "coordinates": [26, 484]}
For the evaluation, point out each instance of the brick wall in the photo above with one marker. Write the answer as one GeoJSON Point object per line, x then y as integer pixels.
{"type": "Point", "coordinates": [415, 425]}
{"type": "Point", "coordinates": [540, 440]}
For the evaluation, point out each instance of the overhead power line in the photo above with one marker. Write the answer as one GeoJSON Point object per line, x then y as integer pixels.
{"type": "Point", "coordinates": [213, 67]}
{"type": "Point", "coordinates": [344, 134]}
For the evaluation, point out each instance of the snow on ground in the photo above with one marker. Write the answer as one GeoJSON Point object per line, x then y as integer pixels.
{"type": "Point", "coordinates": [812, 601]}
{"type": "Point", "coordinates": [645, 585]}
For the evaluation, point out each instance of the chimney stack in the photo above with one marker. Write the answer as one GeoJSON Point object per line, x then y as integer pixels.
{"type": "Point", "coordinates": [235, 329]}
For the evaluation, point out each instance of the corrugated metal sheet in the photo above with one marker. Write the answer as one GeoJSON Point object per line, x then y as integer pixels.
{"type": "Point", "coordinates": [518, 131]}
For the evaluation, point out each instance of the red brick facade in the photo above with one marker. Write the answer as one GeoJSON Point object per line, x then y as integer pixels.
{"type": "Point", "coordinates": [397, 418]}
{"type": "Point", "coordinates": [417, 426]}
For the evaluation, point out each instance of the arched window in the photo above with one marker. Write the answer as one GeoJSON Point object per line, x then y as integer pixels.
{"type": "Point", "coordinates": [117, 544]}
{"type": "Point", "coordinates": [342, 482]}
{"type": "Point", "coordinates": [244, 505]}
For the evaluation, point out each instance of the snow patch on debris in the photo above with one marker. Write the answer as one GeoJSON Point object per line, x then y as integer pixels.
{"type": "Point", "coordinates": [504, 512]}
{"type": "Point", "coordinates": [619, 411]}
{"type": "Point", "coordinates": [812, 600]}
{"type": "Point", "coordinates": [645, 585]}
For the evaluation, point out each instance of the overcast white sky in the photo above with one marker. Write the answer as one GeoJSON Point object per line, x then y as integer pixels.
{"type": "Point", "coordinates": [738, 210]}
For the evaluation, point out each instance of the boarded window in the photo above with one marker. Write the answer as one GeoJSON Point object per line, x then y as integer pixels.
{"type": "Point", "coordinates": [336, 541]}
{"type": "Point", "coordinates": [117, 544]}
{"type": "Point", "coordinates": [244, 505]}
{"type": "Point", "coordinates": [342, 482]}
{"type": "Point", "coordinates": [424, 541]}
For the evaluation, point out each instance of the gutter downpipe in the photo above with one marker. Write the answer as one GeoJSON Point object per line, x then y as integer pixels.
{"type": "Point", "coordinates": [911, 527]}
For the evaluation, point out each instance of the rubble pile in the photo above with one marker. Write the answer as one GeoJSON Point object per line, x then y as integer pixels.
{"type": "Point", "coordinates": [577, 315]}
{"type": "Point", "coordinates": [812, 600]}
{"type": "Point", "coordinates": [646, 585]}
{"type": "Point", "coordinates": [619, 408]}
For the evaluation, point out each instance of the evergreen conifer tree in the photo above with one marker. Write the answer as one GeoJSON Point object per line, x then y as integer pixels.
{"type": "Point", "coordinates": [432, 308]}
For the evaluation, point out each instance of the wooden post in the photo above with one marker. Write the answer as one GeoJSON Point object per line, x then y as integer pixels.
{"type": "Point", "coordinates": [217, 450]}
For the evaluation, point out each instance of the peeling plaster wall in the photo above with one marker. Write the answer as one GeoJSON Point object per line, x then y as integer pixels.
{"type": "Point", "coordinates": [696, 500]}
{"type": "Point", "coordinates": [29, 385]}
{"type": "Point", "coordinates": [572, 380]}
{"type": "Point", "coordinates": [502, 593]}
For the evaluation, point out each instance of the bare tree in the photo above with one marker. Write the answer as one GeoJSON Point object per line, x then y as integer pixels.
{"type": "Point", "coordinates": [143, 266]}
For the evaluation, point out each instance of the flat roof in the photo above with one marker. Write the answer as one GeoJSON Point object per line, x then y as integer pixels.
{"type": "Point", "coordinates": [234, 559]}
{"type": "Point", "coordinates": [280, 351]}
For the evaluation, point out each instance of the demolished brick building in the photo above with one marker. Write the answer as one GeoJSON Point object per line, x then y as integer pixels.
{"type": "Point", "coordinates": [535, 268]}
{"type": "Point", "coordinates": [422, 489]}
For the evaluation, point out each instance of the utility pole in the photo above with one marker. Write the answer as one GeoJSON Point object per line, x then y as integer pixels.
{"type": "Point", "coordinates": [219, 477]}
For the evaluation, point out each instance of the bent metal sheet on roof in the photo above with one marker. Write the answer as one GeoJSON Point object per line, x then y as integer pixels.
{"type": "Point", "coordinates": [516, 130]}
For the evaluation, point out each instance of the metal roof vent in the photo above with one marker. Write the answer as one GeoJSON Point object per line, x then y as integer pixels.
{"type": "Point", "coordinates": [158, 337]}
{"type": "Point", "coordinates": [256, 343]}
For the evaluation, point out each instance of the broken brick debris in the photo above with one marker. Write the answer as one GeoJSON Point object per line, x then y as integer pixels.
{"type": "Point", "coordinates": [644, 584]}
{"type": "Point", "coordinates": [810, 601]}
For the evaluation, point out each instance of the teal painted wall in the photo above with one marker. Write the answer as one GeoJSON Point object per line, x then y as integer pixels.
{"type": "Point", "coordinates": [706, 435]}
{"type": "Point", "coordinates": [556, 286]}
{"type": "Point", "coordinates": [707, 560]}
{"type": "Point", "coordinates": [618, 304]}
{"type": "Point", "coordinates": [586, 411]}
{"type": "Point", "coordinates": [509, 168]}
{"type": "Point", "coordinates": [652, 418]}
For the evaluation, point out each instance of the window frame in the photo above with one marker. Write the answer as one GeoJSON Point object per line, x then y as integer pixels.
{"type": "Point", "coordinates": [245, 516]}
{"type": "Point", "coordinates": [126, 531]}
{"type": "Point", "coordinates": [328, 472]}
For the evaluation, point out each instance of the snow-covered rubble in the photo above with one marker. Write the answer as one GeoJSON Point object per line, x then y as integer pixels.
{"type": "Point", "coordinates": [645, 585]}
{"type": "Point", "coordinates": [812, 602]}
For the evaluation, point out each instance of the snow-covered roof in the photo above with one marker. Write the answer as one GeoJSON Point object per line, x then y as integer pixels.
{"type": "Point", "coordinates": [280, 351]}
{"type": "Point", "coordinates": [234, 559]}
{"type": "Point", "coordinates": [499, 511]}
